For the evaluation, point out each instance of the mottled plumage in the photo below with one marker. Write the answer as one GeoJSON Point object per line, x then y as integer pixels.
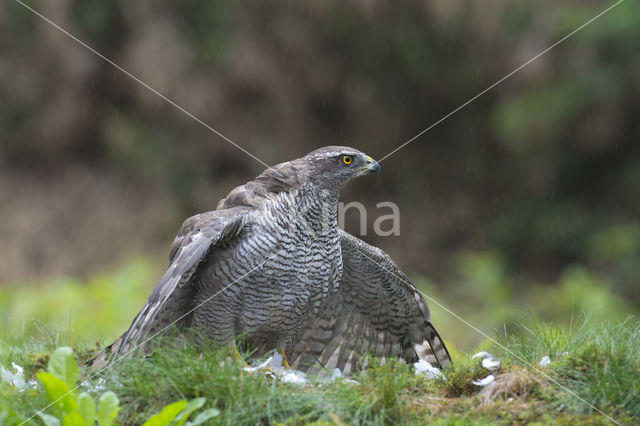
{"type": "Point", "coordinates": [271, 265]}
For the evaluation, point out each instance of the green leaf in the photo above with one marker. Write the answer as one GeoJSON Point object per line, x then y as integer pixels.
{"type": "Point", "coordinates": [204, 416]}
{"type": "Point", "coordinates": [63, 366]}
{"type": "Point", "coordinates": [73, 419]}
{"type": "Point", "coordinates": [58, 392]}
{"type": "Point", "coordinates": [192, 406]}
{"type": "Point", "coordinates": [108, 407]}
{"type": "Point", "coordinates": [168, 413]}
{"type": "Point", "coordinates": [87, 408]}
{"type": "Point", "coordinates": [49, 420]}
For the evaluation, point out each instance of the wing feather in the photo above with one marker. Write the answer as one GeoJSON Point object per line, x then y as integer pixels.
{"type": "Point", "coordinates": [172, 297]}
{"type": "Point", "coordinates": [376, 310]}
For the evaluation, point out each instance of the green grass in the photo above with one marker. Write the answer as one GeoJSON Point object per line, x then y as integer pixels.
{"type": "Point", "coordinates": [598, 361]}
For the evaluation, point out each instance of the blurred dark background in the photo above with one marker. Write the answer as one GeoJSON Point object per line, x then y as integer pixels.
{"type": "Point", "coordinates": [526, 199]}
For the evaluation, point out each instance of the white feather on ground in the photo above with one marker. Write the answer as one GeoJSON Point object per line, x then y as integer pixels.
{"type": "Point", "coordinates": [489, 362]}
{"type": "Point", "coordinates": [423, 368]}
{"type": "Point", "coordinates": [545, 361]}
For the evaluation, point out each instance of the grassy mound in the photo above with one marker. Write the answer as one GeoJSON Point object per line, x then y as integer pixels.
{"type": "Point", "coordinates": [595, 365]}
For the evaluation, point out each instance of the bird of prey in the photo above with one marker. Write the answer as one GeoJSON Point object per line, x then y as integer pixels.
{"type": "Point", "coordinates": [269, 268]}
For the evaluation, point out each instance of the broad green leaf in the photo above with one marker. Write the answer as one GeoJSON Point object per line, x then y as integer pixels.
{"type": "Point", "coordinates": [63, 366]}
{"type": "Point", "coordinates": [73, 419]}
{"type": "Point", "coordinates": [107, 408]}
{"type": "Point", "coordinates": [87, 408]}
{"type": "Point", "coordinates": [192, 406]}
{"type": "Point", "coordinates": [204, 416]}
{"type": "Point", "coordinates": [49, 420]}
{"type": "Point", "coordinates": [58, 392]}
{"type": "Point", "coordinates": [168, 413]}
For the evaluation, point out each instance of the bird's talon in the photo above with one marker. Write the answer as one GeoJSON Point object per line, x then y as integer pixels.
{"type": "Point", "coordinates": [285, 363]}
{"type": "Point", "coordinates": [235, 355]}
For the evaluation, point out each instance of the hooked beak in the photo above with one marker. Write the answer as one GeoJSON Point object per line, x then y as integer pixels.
{"type": "Point", "coordinates": [372, 166]}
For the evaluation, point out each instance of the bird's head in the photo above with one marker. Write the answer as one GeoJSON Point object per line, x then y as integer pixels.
{"type": "Point", "coordinates": [332, 167]}
{"type": "Point", "coordinates": [326, 169]}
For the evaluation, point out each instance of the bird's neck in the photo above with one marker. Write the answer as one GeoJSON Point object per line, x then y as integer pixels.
{"type": "Point", "coordinates": [318, 207]}
{"type": "Point", "coordinates": [309, 210]}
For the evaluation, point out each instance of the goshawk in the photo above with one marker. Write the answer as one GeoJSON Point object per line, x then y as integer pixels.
{"type": "Point", "coordinates": [269, 268]}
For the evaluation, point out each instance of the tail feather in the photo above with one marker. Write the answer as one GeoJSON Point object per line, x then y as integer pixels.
{"type": "Point", "coordinates": [431, 348]}
{"type": "Point", "coordinates": [105, 356]}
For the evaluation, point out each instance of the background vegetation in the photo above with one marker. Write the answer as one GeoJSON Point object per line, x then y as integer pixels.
{"type": "Point", "coordinates": [524, 204]}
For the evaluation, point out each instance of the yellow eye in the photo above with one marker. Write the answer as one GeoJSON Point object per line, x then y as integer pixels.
{"type": "Point", "coordinates": [347, 159]}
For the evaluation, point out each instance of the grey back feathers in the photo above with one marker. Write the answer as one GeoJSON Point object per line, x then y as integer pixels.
{"type": "Point", "coordinates": [270, 269]}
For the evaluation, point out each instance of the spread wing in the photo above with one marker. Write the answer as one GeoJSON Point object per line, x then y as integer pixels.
{"type": "Point", "coordinates": [171, 300]}
{"type": "Point", "coordinates": [376, 310]}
